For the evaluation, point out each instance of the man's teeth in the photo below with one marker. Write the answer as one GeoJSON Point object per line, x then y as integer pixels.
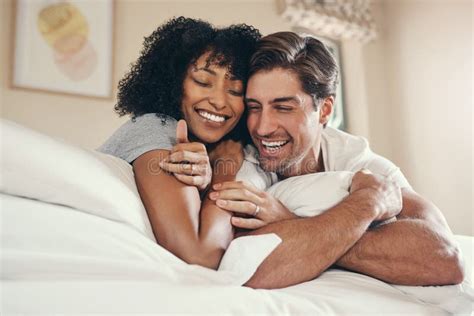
{"type": "Point", "coordinates": [212, 117]}
{"type": "Point", "coordinates": [274, 145]}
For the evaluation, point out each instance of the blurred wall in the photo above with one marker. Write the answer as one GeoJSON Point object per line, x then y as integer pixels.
{"type": "Point", "coordinates": [88, 122]}
{"type": "Point", "coordinates": [419, 96]}
{"type": "Point", "coordinates": [409, 92]}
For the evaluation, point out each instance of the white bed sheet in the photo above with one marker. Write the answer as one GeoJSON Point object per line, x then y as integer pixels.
{"type": "Point", "coordinates": [108, 267]}
{"type": "Point", "coordinates": [76, 238]}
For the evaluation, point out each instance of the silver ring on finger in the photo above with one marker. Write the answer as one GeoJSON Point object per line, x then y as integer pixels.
{"type": "Point", "coordinates": [257, 210]}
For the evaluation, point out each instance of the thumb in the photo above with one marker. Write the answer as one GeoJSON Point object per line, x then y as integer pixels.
{"type": "Point", "coordinates": [182, 132]}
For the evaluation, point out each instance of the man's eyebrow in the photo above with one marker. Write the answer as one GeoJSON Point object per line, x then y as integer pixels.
{"type": "Point", "coordinates": [247, 100]}
{"type": "Point", "coordinates": [286, 99]}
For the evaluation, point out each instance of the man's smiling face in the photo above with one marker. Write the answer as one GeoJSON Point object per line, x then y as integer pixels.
{"type": "Point", "coordinates": [283, 122]}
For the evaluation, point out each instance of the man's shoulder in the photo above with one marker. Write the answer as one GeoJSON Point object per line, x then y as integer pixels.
{"type": "Point", "coordinates": [345, 152]}
{"type": "Point", "coordinates": [342, 145]}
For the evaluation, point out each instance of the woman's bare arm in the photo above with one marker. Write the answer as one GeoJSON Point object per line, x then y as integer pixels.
{"type": "Point", "coordinates": [198, 236]}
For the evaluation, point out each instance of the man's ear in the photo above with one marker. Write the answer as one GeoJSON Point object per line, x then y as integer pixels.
{"type": "Point", "coordinates": [326, 110]}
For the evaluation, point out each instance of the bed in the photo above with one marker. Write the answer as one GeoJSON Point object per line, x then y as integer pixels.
{"type": "Point", "coordinates": [76, 239]}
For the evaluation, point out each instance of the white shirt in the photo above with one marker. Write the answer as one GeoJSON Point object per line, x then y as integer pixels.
{"type": "Point", "coordinates": [341, 152]}
{"type": "Point", "coordinates": [344, 152]}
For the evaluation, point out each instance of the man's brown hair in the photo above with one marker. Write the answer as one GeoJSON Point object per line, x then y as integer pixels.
{"type": "Point", "coordinates": [306, 56]}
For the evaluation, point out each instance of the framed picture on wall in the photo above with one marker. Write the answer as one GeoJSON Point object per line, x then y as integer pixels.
{"type": "Point", "coordinates": [64, 46]}
{"type": "Point", "coordinates": [337, 117]}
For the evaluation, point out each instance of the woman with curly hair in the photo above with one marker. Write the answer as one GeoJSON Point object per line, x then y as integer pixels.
{"type": "Point", "coordinates": [190, 78]}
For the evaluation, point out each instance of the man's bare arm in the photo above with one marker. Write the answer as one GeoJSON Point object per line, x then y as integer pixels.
{"type": "Point", "coordinates": [310, 245]}
{"type": "Point", "coordinates": [417, 249]}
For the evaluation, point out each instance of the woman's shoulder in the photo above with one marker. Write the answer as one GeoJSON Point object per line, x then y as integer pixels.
{"type": "Point", "coordinates": [147, 124]}
{"type": "Point", "coordinates": [141, 134]}
{"type": "Point", "coordinates": [153, 120]}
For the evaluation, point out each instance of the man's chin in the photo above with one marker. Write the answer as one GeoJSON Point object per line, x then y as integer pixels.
{"type": "Point", "coordinates": [267, 166]}
{"type": "Point", "coordinates": [286, 168]}
{"type": "Point", "coordinates": [272, 166]}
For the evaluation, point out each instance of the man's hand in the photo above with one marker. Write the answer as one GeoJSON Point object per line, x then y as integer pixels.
{"type": "Point", "coordinates": [384, 195]}
{"type": "Point", "coordinates": [254, 208]}
{"type": "Point", "coordinates": [188, 161]}
{"type": "Point", "coordinates": [417, 249]}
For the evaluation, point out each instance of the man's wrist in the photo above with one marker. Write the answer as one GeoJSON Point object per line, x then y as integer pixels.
{"type": "Point", "coordinates": [363, 204]}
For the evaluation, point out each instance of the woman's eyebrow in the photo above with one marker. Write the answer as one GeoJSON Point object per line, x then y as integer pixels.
{"type": "Point", "coordinates": [234, 78]}
{"type": "Point", "coordinates": [212, 72]}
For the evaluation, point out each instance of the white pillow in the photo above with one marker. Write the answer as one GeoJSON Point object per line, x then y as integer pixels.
{"type": "Point", "coordinates": [311, 194]}
{"type": "Point", "coordinates": [39, 167]}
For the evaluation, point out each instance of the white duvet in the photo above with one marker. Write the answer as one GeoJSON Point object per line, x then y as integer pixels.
{"type": "Point", "coordinates": [75, 240]}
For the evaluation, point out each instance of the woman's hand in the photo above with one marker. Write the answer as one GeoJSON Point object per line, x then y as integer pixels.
{"type": "Point", "coordinates": [187, 161]}
{"type": "Point", "coordinates": [254, 208]}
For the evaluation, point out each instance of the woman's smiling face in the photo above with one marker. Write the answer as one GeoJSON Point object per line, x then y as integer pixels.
{"type": "Point", "coordinates": [212, 101]}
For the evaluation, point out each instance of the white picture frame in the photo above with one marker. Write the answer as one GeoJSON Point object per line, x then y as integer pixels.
{"type": "Point", "coordinates": [338, 116]}
{"type": "Point", "coordinates": [64, 47]}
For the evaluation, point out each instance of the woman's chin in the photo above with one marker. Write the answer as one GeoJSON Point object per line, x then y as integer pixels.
{"type": "Point", "coordinates": [209, 132]}
{"type": "Point", "coordinates": [209, 139]}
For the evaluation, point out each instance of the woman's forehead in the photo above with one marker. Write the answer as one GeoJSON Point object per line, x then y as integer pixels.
{"type": "Point", "coordinates": [212, 63]}
{"type": "Point", "coordinates": [210, 59]}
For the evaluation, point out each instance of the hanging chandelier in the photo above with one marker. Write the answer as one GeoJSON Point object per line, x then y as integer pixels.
{"type": "Point", "coordinates": [335, 19]}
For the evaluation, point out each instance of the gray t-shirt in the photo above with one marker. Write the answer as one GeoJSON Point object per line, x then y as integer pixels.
{"type": "Point", "coordinates": [136, 137]}
{"type": "Point", "coordinates": [151, 132]}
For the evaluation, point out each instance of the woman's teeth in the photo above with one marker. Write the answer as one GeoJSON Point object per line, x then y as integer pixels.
{"type": "Point", "coordinates": [212, 117]}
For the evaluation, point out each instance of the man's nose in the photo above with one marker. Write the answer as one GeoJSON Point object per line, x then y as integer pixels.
{"type": "Point", "coordinates": [218, 98]}
{"type": "Point", "coordinates": [267, 124]}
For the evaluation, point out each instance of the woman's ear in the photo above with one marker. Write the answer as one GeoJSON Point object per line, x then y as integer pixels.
{"type": "Point", "coordinates": [326, 110]}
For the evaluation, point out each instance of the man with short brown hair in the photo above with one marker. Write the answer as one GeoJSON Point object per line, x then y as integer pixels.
{"type": "Point", "coordinates": [290, 95]}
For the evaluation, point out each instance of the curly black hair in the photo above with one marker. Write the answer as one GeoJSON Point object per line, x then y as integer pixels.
{"type": "Point", "coordinates": [155, 81]}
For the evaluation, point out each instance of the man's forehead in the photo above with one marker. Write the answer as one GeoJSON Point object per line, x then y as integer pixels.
{"type": "Point", "coordinates": [276, 84]}
{"type": "Point", "coordinates": [277, 77]}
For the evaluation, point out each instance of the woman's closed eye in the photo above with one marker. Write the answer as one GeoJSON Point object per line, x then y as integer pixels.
{"type": "Point", "coordinates": [236, 92]}
{"type": "Point", "coordinates": [201, 83]}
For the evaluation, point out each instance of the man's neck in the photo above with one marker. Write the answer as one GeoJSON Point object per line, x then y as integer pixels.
{"type": "Point", "coordinates": [312, 163]}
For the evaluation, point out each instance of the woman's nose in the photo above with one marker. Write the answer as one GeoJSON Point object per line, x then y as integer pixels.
{"type": "Point", "coordinates": [217, 99]}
